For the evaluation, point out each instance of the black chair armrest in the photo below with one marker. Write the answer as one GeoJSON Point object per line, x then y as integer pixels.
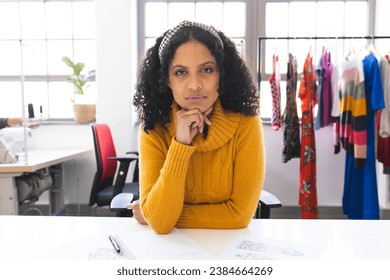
{"type": "Point", "coordinates": [267, 201]}
{"type": "Point", "coordinates": [124, 158]}
{"type": "Point", "coordinates": [136, 169]}
{"type": "Point", "coordinates": [124, 163]}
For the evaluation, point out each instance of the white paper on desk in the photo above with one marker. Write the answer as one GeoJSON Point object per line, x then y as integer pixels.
{"type": "Point", "coordinates": [244, 248]}
{"type": "Point", "coordinates": [88, 248]}
{"type": "Point", "coordinates": [148, 245]}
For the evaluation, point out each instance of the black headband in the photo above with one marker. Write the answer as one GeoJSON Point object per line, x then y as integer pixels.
{"type": "Point", "coordinates": [165, 41]}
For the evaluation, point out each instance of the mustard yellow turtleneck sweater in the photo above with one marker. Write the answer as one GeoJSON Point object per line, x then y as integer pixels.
{"type": "Point", "coordinates": [214, 183]}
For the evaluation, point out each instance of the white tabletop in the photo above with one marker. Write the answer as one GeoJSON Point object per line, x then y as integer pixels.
{"type": "Point", "coordinates": [47, 237]}
{"type": "Point", "coordinates": [42, 158]}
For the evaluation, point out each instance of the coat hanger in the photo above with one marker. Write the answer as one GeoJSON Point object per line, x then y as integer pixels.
{"type": "Point", "coordinates": [291, 47]}
{"type": "Point", "coordinates": [363, 52]}
{"type": "Point", "coordinates": [310, 51]}
{"type": "Point", "coordinates": [351, 53]}
{"type": "Point", "coordinates": [335, 52]}
{"type": "Point", "coordinates": [371, 47]}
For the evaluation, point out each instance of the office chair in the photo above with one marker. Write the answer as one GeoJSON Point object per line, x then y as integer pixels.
{"type": "Point", "coordinates": [266, 203]}
{"type": "Point", "coordinates": [108, 182]}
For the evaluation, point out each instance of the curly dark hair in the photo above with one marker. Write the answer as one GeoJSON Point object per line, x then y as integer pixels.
{"type": "Point", "coordinates": [153, 98]}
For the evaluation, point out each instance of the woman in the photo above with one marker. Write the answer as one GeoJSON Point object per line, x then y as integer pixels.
{"type": "Point", "coordinates": [201, 143]}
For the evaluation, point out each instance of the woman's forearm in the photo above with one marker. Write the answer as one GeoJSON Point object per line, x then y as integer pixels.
{"type": "Point", "coordinates": [163, 183]}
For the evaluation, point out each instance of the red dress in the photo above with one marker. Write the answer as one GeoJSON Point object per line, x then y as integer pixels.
{"type": "Point", "coordinates": [307, 171]}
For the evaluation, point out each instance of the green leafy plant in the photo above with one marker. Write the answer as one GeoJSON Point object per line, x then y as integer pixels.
{"type": "Point", "coordinates": [77, 79]}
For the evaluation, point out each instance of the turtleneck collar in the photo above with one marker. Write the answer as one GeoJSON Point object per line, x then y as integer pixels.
{"type": "Point", "coordinates": [224, 126]}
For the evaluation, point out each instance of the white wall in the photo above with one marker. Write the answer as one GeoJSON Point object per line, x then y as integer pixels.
{"type": "Point", "coordinates": [116, 49]}
{"type": "Point", "coordinates": [116, 56]}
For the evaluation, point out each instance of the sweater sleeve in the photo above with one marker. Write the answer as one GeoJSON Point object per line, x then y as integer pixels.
{"type": "Point", "coordinates": [247, 180]}
{"type": "Point", "coordinates": [162, 180]}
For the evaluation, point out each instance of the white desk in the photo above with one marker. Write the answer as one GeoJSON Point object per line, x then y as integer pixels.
{"type": "Point", "coordinates": [59, 237]}
{"type": "Point", "coordinates": [37, 159]}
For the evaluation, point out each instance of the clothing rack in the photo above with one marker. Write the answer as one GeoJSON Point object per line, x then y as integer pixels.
{"type": "Point", "coordinates": [260, 39]}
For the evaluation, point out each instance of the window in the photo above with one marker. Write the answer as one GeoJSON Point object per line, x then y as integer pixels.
{"type": "Point", "coordinates": [308, 19]}
{"type": "Point", "coordinates": [246, 20]}
{"type": "Point", "coordinates": [35, 35]}
{"type": "Point", "coordinates": [159, 16]}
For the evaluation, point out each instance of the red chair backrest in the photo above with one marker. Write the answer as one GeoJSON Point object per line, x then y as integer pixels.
{"type": "Point", "coordinates": [106, 149]}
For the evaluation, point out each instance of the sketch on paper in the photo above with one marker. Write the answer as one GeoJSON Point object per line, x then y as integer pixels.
{"type": "Point", "coordinates": [104, 253]}
{"type": "Point", "coordinates": [243, 248]}
{"type": "Point", "coordinates": [266, 248]}
{"type": "Point", "coordinates": [107, 254]}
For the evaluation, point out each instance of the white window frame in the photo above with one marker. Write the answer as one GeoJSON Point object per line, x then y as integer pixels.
{"type": "Point", "coordinates": [255, 24]}
{"type": "Point", "coordinates": [46, 78]}
{"type": "Point", "coordinates": [250, 37]}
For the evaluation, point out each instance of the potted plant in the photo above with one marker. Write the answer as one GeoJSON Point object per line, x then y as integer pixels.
{"type": "Point", "coordinates": [82, 112]}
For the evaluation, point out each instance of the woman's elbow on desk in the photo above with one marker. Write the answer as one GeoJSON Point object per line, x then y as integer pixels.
{"type": "Point", "coordinates": [160, 225]}
{"type": "Point", "coordinates": [161, 228]}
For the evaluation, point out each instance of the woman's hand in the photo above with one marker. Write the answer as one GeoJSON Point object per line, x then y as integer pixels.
{"type": "Point", "coordinates": [137, 214]}
{"type": "Point", "coordinates": [14, 121]}
{"type": "Point", "coordinates": [20, 122]}
{"type": "Point", "coordinates": [189, 123]}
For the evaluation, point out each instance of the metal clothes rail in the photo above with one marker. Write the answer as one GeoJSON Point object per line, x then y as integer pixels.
{"type": "Point", "coordinates": [260, 39]}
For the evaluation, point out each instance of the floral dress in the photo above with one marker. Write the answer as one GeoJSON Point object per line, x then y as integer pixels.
{"type": "Point", "coordinates": [307, 170]}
